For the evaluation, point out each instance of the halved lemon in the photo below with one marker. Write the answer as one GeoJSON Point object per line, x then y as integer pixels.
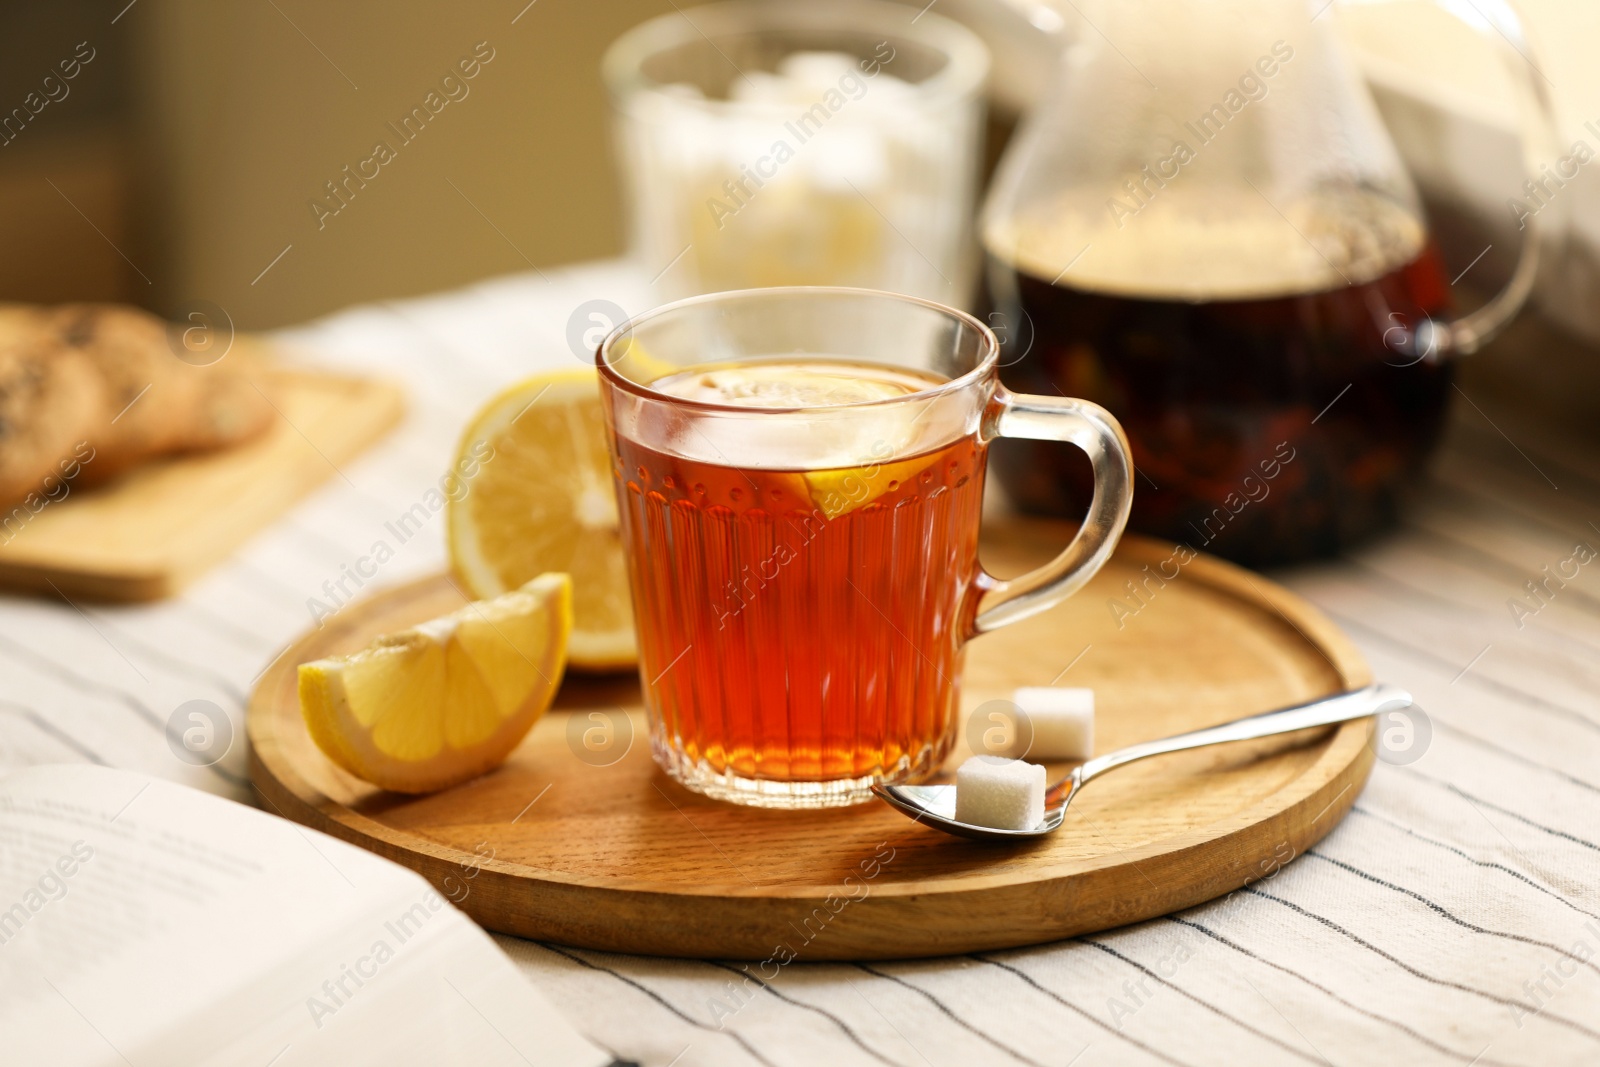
{"type": "Point", "coordinates": [541, 499]}
{"type": "Point", "coordinates": [446, 700]}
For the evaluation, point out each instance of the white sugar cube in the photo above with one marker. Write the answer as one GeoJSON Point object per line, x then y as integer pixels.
{"type": "Point", "coordinates": [1062, 722]}
{"type": "Point", "coordinates": [1006, 794]}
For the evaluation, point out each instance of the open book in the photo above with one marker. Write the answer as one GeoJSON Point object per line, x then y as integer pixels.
{"type": "Point", "coordinates": [142, 922]}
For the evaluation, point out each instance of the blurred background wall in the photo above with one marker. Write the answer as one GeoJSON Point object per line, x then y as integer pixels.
{"type": "Point", "coordinates": [69, 163]}
{"type": "Point", "coordinates": [180, 162]}
{"type": "Point", "coordinates": [184, 156]}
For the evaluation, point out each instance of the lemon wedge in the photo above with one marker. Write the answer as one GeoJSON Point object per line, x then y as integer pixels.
{"type": "Point", "coordinates": [447, 700]}
{"type": "Point", "coordinates": [843, 490]}
{"type": "Point", "coordinates": [541, 499]}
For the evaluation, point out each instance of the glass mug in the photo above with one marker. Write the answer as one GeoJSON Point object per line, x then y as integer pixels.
{"type": "Point", "coordinates": [799, 474]}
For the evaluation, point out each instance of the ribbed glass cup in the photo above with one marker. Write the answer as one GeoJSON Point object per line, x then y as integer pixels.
{"type": "Point", "coordinates": [805, 576]}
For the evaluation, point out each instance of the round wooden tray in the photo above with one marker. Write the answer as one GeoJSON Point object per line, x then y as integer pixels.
{"type": "Point", "coordinates": [618, 857]}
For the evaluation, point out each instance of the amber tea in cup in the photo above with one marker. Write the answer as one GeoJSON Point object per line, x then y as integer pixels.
{"type": "Point", "coordinates": [800, 513]}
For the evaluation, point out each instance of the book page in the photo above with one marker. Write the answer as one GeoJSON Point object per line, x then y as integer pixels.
{"type": "Point", "coordinates": [144, 922]}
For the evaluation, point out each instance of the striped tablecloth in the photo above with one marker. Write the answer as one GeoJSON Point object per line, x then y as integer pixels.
{"type": "Point", "coordinates": [1454, 916]}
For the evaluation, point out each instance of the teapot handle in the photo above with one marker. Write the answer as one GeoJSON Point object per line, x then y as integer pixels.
{"type": "Point", "coordinates": [1498, 23]}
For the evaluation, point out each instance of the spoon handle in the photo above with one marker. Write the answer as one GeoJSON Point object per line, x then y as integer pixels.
{"type": "Point", "coordinates": [1341, 707]}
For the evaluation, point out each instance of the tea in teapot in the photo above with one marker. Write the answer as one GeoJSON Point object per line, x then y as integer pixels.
{"type": "Point", "coordinates": [1207, 230]}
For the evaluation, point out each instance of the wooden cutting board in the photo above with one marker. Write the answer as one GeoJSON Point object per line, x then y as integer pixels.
{"type": "Point", "coordinates": [152, 531]}
{"type": "Point", "coordinates": [618, 857]}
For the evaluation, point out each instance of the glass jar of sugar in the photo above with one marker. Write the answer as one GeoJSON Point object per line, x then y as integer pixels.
{"type": "Point", "coordinates": [826, 143]}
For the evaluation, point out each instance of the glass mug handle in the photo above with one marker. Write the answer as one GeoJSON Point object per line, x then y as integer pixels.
{"type": "Point", "coordinates": [1091, 428]}
{"type": "Point", "coordinates": [1498, 24]}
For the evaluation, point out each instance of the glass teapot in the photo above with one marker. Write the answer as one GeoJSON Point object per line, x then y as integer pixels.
{"type": "Point", "coordinates": [1206, 228]}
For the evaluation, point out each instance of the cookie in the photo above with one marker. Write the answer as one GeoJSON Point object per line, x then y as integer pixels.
{"type": "Point", "coordinates": [105, 377]}
{"type": "Point", "coordinates": [50, 405]}
{"type": "Point", "coordinates": [158, 404]}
